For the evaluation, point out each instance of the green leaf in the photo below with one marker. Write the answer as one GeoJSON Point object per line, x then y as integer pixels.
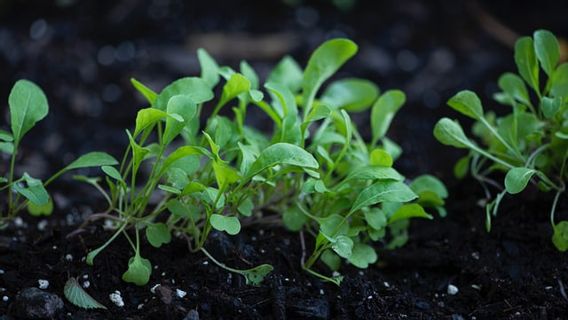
{"type": "Point", "coordinates": [181, 105]}
{"type": "Point", "coordinates": [91, 159]}
{"type": "Point", "coordinates": [256, 275]}
{"type": "Point", "coordinates": [429, 183]}
{"type": "Point", "coordinates": [112, 172]}
{"type": "Point", "coordinates": [547, 50]}
{"type": "Point", "coordinates": [323, 63]}
{"type": "Point", "coordinates": [139, 270]}
{"type": "Point", "coordinates": [79, 297]}
{"type": "Point", "coordinates": [319, 111]}
{"type": "Point", "coordinates": [408, 211]}
{"type": "Point", "coordinates": [383, 112]}
{"type": "Point", "coordinates": [331, 260]}
{"type": "Point", "coordinates": [224, 174]}
{"type": "Point", "coordinates": [282, 154]}
{"type": "Point", "coordinates": [514, 86]}
{"type": "Point", "coordinates": [138, 153]}
{"type": "Point", "coordinates": [158, 234]}
{"type": "Point", "coordinates": [245, 207]}
{"type": "Point", "coordinates": [236, 85]}
{"type": "Point", "coordinates": [362, 256]}
{"type": "Point", "coordinates": [284, 97]}
{"type": "Point", "coordinates": [33, 190]}
{"type": "Point", "coordinates": [376, 218]}
{"type": "Point", "coordinates": [517, 179]}
{"type": "Point", "coordinates": [6, 136]}
{"type": "Point", "coordinates": [467, 103]}
{"type": "Point", "coordinates": [383, 191]}
{"type": "Point", "coordinates": [40, 210]}
{"type": "Point", "coordinates": [560, 236]}
{"type": "Point", "coordinates": [287, 73]}
{"type": "Point", "coordinates": [148, 93]}
{"type": "Point", "coordinates": [342, 245]}
{"type": "Point", "coordinates": [231, 225]}
{"type": "Point", "coordinates": [148, 117]}
{"type": "Point", "coordinates": [559, 81]}
{"type": "Point", "coordinates": [373, 173]}
{"type": "Point", "coordinates": [449, 132]}
{"type": "Point", "coordinates": [28, 105]}
{"type": "Point", "coordinates": [550, 106]}
{"type": "Point", "coordinates": [293, 218]}
{"type": "Point", "coordinates": [197, 89]}
{"type": "Point", "coordinates": [209, 68]}
{"type": "Point", "coordinates": [461, 167]}
{"type": "Point", "coordinates": [353, 95]}
{"type": "Point", "coordinates": [249, 73]}
{"type": "Point", "coordinates": [183, 152]}
{"type": "Point", "coordinates": [379, 157]}
{"type": "Point", "coordinates": [526, 61]}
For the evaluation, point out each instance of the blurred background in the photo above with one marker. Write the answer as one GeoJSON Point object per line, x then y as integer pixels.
{"type": "Point", "coordinates": [83, 53]}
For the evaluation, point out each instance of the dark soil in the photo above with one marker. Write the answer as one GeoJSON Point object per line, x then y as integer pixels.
{"type": "Point", "coordinates": [428, 49]}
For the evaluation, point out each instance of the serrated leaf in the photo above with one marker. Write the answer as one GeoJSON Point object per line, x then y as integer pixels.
{"type": "Point", "coordinates": [79, 297]}
{"type": "Point", "coordinates": [256, 275]}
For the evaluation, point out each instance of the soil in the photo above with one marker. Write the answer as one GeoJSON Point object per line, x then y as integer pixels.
{"type": "Point", "coordinates": [428, 49]}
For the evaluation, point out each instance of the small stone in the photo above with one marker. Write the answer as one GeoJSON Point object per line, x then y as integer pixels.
{"type": "Point", "coordinates": [140, 306]}
{"type": "Point", "coordinates": [475, 255]}
{"type": "Point", "coordinates": [19, 222]}
{"type": "Point", "coordinates": [86, 284]}
{"type": "Point", "coordinates": [116, 298]}
{"type": "Point", "coordinates": [5, 298]}
{"type": "Point", "coordinates": [42, 225]}
{"type": "Point", "coordinates": [85, 276]}
{"type": "Point", "coordinates": [452, 290]}
{"type": "Point", "coordinates": [386, 284]}
{"type": "Point", "coordinates": [476, 287]}
{"type": "Point", "coordinates": [43, 284]}
{"type": "Point", "coordinates": [322, 292]}
{"type": "Point", "coordinates": [180, 293]}
{"type": "Point", "coordinates": [68, 257]}
{"type": "Point", "coordinates": [192, 315]}
{"type": "Point", "coordinates": [2, 271]}
{"type": "Point", "coordinates": [33, 303]}
{"type": "Point", "coordinates": [154, 287]}
{"type": "Point", "coordinates": [205, 263]}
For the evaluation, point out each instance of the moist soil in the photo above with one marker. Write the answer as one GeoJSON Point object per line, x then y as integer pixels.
{"type": "Point", "coordinates": [513, 272]}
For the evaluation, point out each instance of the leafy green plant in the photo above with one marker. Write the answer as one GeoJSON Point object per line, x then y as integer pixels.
{"type": "Point", "coordinates": [315, 169]}
{"type": "Point", "coordinates": [530, 143]}
{"type": "Point", "coordinates": [27, 106]}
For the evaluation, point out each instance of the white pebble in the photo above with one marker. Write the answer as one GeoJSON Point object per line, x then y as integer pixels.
{"type": "Point", "coordinates": [369, 297]}
{"type": "Point", "coordinates": [180, 293]}
{"type": "Point", "coordinates": [452, 290]}
{"type": "Point", "coordinates": [116, 298]}
{"type": "Point", "coordinates": [2, 271]}
{"type": "Point", "coordinates": [205, 263]}
{"type": "Point", "coordinates": [68, 257]}
{"type": "Point", "coordinates": [5, 298]}
{"type": "Point", "coordinates": [19, 222]}
{"type": "Point", "coordinates": [153, 289]}
{"type": "Point", "coordinates": [86, 284]}
{"type": "Point", "coordinates": [322, 292]}
{"type": "Point", "coordinates": [85, 276]}
{"type": "Point", "coordinates": [43, 284]}
{"type": "Point", "coordinates": [42, 225]}
{"type": "Point", "coordinates": [140, 306]}
{"type": "Point", "coordinates": [386, 284]}
{"type": "Point", "coordinates": [163, 274]}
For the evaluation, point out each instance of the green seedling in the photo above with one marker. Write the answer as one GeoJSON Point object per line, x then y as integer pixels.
{"type": "Point", "coordinates": [315, 168]}
{"type": "Point", "coordinates": [28, 105]}
{"type": "Point", "coordinates": [530, 143]}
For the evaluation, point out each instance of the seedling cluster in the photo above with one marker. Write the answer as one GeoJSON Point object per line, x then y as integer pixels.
{"type": "Point", "coordinates": [530, 143]}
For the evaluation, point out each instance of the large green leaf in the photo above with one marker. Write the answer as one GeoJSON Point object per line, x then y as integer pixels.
{"type": "Point", "coordinates": [139, 271]}
{"type": "Point", "coordinates": [449, 132]}
{"type": "Point", "coordinates": [92, 159]}
{"type": "Point", "coordinates": [34, 190]}
{"type": "Point", "coordinates": [467, 103]}
{"type": "Point", "coordinates": [196, 88]}
{"type": "Point", "coordinates": [517, 179]}
{"type": "Point", "coordinates": [183, 106]}
{"type": "Point", "coordinates": [236, 85]}
{"type": "Point", "coordinates": [28, 105]}
{"type": "Point", "coordinates": [287, 73]}
{"type": "Point", "coordinates": [282, 154]}
{"type": "Point", "coordinates": [323, 63]}
{"type": "Point", "coordinates": [383, 112]}
{"type": "Point", "coordinates": [547, 50]}
{"type": "Point", "coordinates": [209, 68]}
{"type": "Point", "coordinates": [231, 224]}
{"type": "Point", "coordinates": [408, 211]}
{"type": "Point", "coordinates": [148, 117]}
{"type": "Point", "coordinates": [353, 95]}
{"type": "Point", "coordinates": [383, 191]}
{"type": "Point", "coordinates": [526, 61]}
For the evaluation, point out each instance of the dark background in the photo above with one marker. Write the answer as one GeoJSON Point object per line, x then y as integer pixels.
{"type": "Point", "coordinates": [82, 53]}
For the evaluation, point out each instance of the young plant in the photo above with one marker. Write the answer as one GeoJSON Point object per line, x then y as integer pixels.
{"type": "Point", "coordinates": [27, 106]}
{"type": "Point", "coordinates": [530, 143]}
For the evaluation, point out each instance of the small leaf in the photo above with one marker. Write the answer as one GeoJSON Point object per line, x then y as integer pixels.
{"type": "Point", "coordinates": [256, 275]}
{"type": "Point", "coordinates": [209, 68]}
{"type": "Point", "coordinates": [467, 103]}
{"type": "Point", "coordinates": [197, 89]}
{"type": "Point", "coordinates": [92, 159]}
{"type": "Point", "coordinates": [560, 236]}
{"type": "Point", "coordinates": [323, 63]}
{"type": "Point", "coordinates": [34, 190]}
{"type": "Point", "coordinates": [408, 211]}
{"type": "Point", "coordinates": [282, 154]}
{"type": "Point", "coordinates": [383, 112]}
{"type": "Point", "coordinates": [376, 218]}
{"type": "Point", "coordinates": [449, 132]}
{"type": "Point", "coordinates": [79, 297]}
{"type": "Point", "coordinates": [514, 86]}
{"type": "Point", "coordinates": [429, 183]}
{"type": "Point", "coordinates": [148, 93]}
{"type": "Point", "coordinates": [342, 245]}
{"type": "Point", "coordinates": [362, 256]}
{"type": "Point", "coordinates": [379, 157]}
{"type": "Point", "coordinates": [293, 218]}
{"type": "Point", "coordinates": [526, 61]}
{"type": "Point", "coordinates": [181, 105]}
{"type": "Point", "coordinates": [331, 260]}
{"type": "Point", "coordinates": [550, 106]}
{"type": "Point", "coordinates": [245, 207]}
{"type": "Point", "coordinates": [287, 73]}
{"type": "Point", "coordinates": [353, 95]}
{"type": "Point", "coordinates": [28, 105]}
{"type": "Point", "coordinates": [461, 167]}
{"type": "Point", "coordinates": [231, 225]}
{"type": "Point", "coordinates": [236, 85]}
{"type": "Point", "coordinates": [148, 117]}
{"type": "Point", "coordinates": [40, 210]}
{"type": "Point", "coordinates": [383, 191]}
{"type": "Point", "coordinates": [158, 234]}
{"type": "Point", "coordinates": [139, 270]}
{"type": "Point", "coordinates": [547, 50]}
{"type": "Point", "coordinates": [517, 179]}
{"type": "Point", "coordinates": [112, 172]}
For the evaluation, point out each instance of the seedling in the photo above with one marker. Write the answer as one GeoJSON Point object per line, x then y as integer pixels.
{"type": "Point", "coordinates": [28, 105]}
{"type": "Point", "coordinates": [324, 178]}
{"type": "Point", "coordinates": [529, 144]}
